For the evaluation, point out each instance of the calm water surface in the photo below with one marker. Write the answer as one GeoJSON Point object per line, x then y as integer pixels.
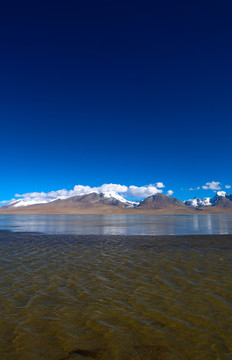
{"type": "Point", "coordinates": [119, 224]}
{"type": "Point", "coordinates": [115, 297]}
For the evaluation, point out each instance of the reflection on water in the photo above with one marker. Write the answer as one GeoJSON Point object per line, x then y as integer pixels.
{"type": "Point", "coordinates": [115, 297]}
{"type": "Point", "coordinates": [119, 224]}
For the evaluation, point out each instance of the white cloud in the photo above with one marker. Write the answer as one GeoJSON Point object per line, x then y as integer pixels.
{"type": "Point", "coordinates": [142, 191]}
{"type": "Point", "coordinates": [113, 188]}
{"type": "Point", "coordinates": [170, 192]}
{"type": "Point", "coordinates": [192, 189]}
{"type": "Point", "coordinates": [227, 186]}
{"type": "Point", "coordinates": [159, 185]}
{"type": "Point", "coordinates": [6, 201]}
{"type": "Point", "coordinates": [33, 194]}
{"type": "Point", "coordinates": [214, 185]}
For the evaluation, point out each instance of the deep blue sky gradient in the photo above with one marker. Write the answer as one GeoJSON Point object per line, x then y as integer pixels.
{"type": "Point", "coordinates": [129, 92]}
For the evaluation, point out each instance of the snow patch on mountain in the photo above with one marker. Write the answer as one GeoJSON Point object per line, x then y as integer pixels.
{"type": "Point", "coordinates": [119, 198]}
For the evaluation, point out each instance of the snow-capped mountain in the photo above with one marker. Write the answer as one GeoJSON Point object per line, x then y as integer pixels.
{"type": "Point", "coordinates": [221, 199]}
{"type": "Point", "coordinates": [108, 198]}
{"type": "Point", "coordinates": [31, 201]}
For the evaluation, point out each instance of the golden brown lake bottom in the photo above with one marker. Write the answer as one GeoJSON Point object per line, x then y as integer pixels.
{"type": "Point", "coordinates": [115, 297]}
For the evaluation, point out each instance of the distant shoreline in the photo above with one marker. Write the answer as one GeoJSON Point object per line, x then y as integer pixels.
{"type": "Point", "coordinates": [183, 237]}
{"type": "Point", "coordinates": [134, 211]}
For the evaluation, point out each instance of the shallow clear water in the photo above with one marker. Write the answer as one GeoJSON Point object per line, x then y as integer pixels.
{"type": "Point", "coordinates": [112, 295]}
{"type": "Point", "coordinates": [119, 224]}
{"type": "Point", "coordinates": [115, 297]}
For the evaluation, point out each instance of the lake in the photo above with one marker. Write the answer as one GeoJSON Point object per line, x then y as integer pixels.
{"type": "Point", "coordinates": [119, 224]}
{"type": "Point", "coordinates": [93, 287]}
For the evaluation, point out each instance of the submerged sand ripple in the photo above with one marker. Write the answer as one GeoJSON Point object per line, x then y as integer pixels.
{"type": "Point", "coordinates": [115, 297]}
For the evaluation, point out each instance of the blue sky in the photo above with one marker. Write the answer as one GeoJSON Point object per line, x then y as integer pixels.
{"type": "Point", "coordinates": [125, 92]}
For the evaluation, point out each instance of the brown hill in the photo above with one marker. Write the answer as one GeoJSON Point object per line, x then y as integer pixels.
{"type": "Point", "coordinates": [91, 200]}
{"type": "Point", "coordinates": [223, 203]}
{"type": "Point", "coordinates": [160, 201]}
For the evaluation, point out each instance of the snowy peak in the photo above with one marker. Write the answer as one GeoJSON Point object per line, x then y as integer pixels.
{"type": "Point", "coordinates": [222, 193]}
{"type": "Point", "coordinates": [196, 202]}
{"type": "Point", "coordinates": [221, 199]}
{"type": "Point", "coordinates": [32, 201]}
{"type": "Point", "coordinates": [114, 195]}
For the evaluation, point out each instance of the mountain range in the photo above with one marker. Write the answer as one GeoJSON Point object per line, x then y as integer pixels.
{"type": "Point", "coordinates": [220, 200]}
{"type": "Point", "coordinates": [112, 202]}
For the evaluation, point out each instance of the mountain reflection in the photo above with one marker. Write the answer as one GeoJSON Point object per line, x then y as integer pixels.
{"type": "Point", "coordinates": [120, 224]}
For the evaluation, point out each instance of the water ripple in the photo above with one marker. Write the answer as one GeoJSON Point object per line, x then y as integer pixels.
{"type": "Point", "coordinates": [115, 297]}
